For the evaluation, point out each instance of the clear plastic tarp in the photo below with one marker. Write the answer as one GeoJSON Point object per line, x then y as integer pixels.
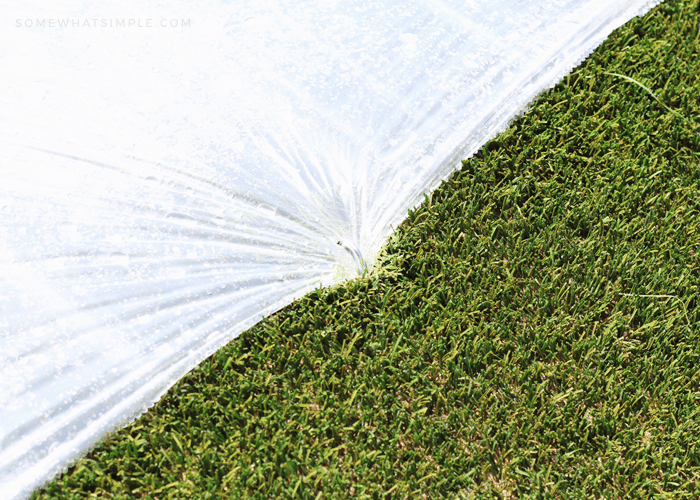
{"type": "Point", "coordinates": [171, 172]}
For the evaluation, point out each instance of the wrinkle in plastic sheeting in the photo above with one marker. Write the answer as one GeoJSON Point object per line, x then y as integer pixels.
{"type": "Point", "coordinates": [171, 173]}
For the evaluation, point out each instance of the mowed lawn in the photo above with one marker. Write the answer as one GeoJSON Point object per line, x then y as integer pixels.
{"type": "Point", "coordinates": [531, 331]}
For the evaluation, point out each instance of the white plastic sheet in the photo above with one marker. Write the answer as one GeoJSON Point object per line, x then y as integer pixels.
{"type": "Point", "coordinates": [170, 173]}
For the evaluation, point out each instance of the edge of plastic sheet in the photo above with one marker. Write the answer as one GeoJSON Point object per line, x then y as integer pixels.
{"type": "Point", "coordinates": [548, 76]}
{"type": "Point", "coordinates": [150, 396]}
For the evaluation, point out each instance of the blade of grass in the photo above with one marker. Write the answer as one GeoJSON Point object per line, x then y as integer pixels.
{"type": "Point", "coordinates": [648, 90]}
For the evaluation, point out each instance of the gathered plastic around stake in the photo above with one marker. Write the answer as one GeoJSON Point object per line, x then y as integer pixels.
{"type": "Point", "coordinates": [171, 173]}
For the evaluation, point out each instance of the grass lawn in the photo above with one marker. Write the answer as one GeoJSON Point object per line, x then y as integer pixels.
{"type": "Point", "coordinates": [531, 331]}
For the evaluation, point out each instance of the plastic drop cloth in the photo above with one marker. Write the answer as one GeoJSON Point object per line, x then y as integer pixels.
{"type": "Point", "coordinates": [167, 182]}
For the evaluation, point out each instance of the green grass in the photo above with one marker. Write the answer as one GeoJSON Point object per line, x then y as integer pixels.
{"type": "Point", "coordinates": [532, 331]}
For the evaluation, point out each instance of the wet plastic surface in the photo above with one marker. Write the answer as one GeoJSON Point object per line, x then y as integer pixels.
{"type": "Point", "coordinates": [162, 188]}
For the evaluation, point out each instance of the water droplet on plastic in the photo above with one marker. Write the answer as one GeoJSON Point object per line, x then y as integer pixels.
{"type": "Point", "coordinates": [152, 180]}
{"type": "Point", "coordinates": [164, 350]}
{"type": "Point", "coordinates": [267, 210]}
{"type": "Point", "coordinates": [189, 190]}
{"type": "Point", "coordinates": [68, 227]}
{"type": "Point", "coordinates": [176, 272]}
{"type": "Point", "coordinates": [255, 24]}
{"type": "Point", "coordinates": [5, 209]}
{"type": "Point", "coordinates": [119, 259]}
{"type": "Point", "coordinates": [219, 221]}
{"type": "Point", "coordinates": [115, 239]}
{"type": "Point", "coordinates": [409, 43]}
{"type": "Point", "coordinates": [91, 67]}
{"type": "Point", "coordinates": [427, 162]}
{"type": "Point", "coordinates": [56, 263]}
{"type": "Point", "coordinates": [184, 219]}
{"type": "Point", "coordinates": [393, 146]}
{"type": "Point", "coordinates": [215, 208]}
